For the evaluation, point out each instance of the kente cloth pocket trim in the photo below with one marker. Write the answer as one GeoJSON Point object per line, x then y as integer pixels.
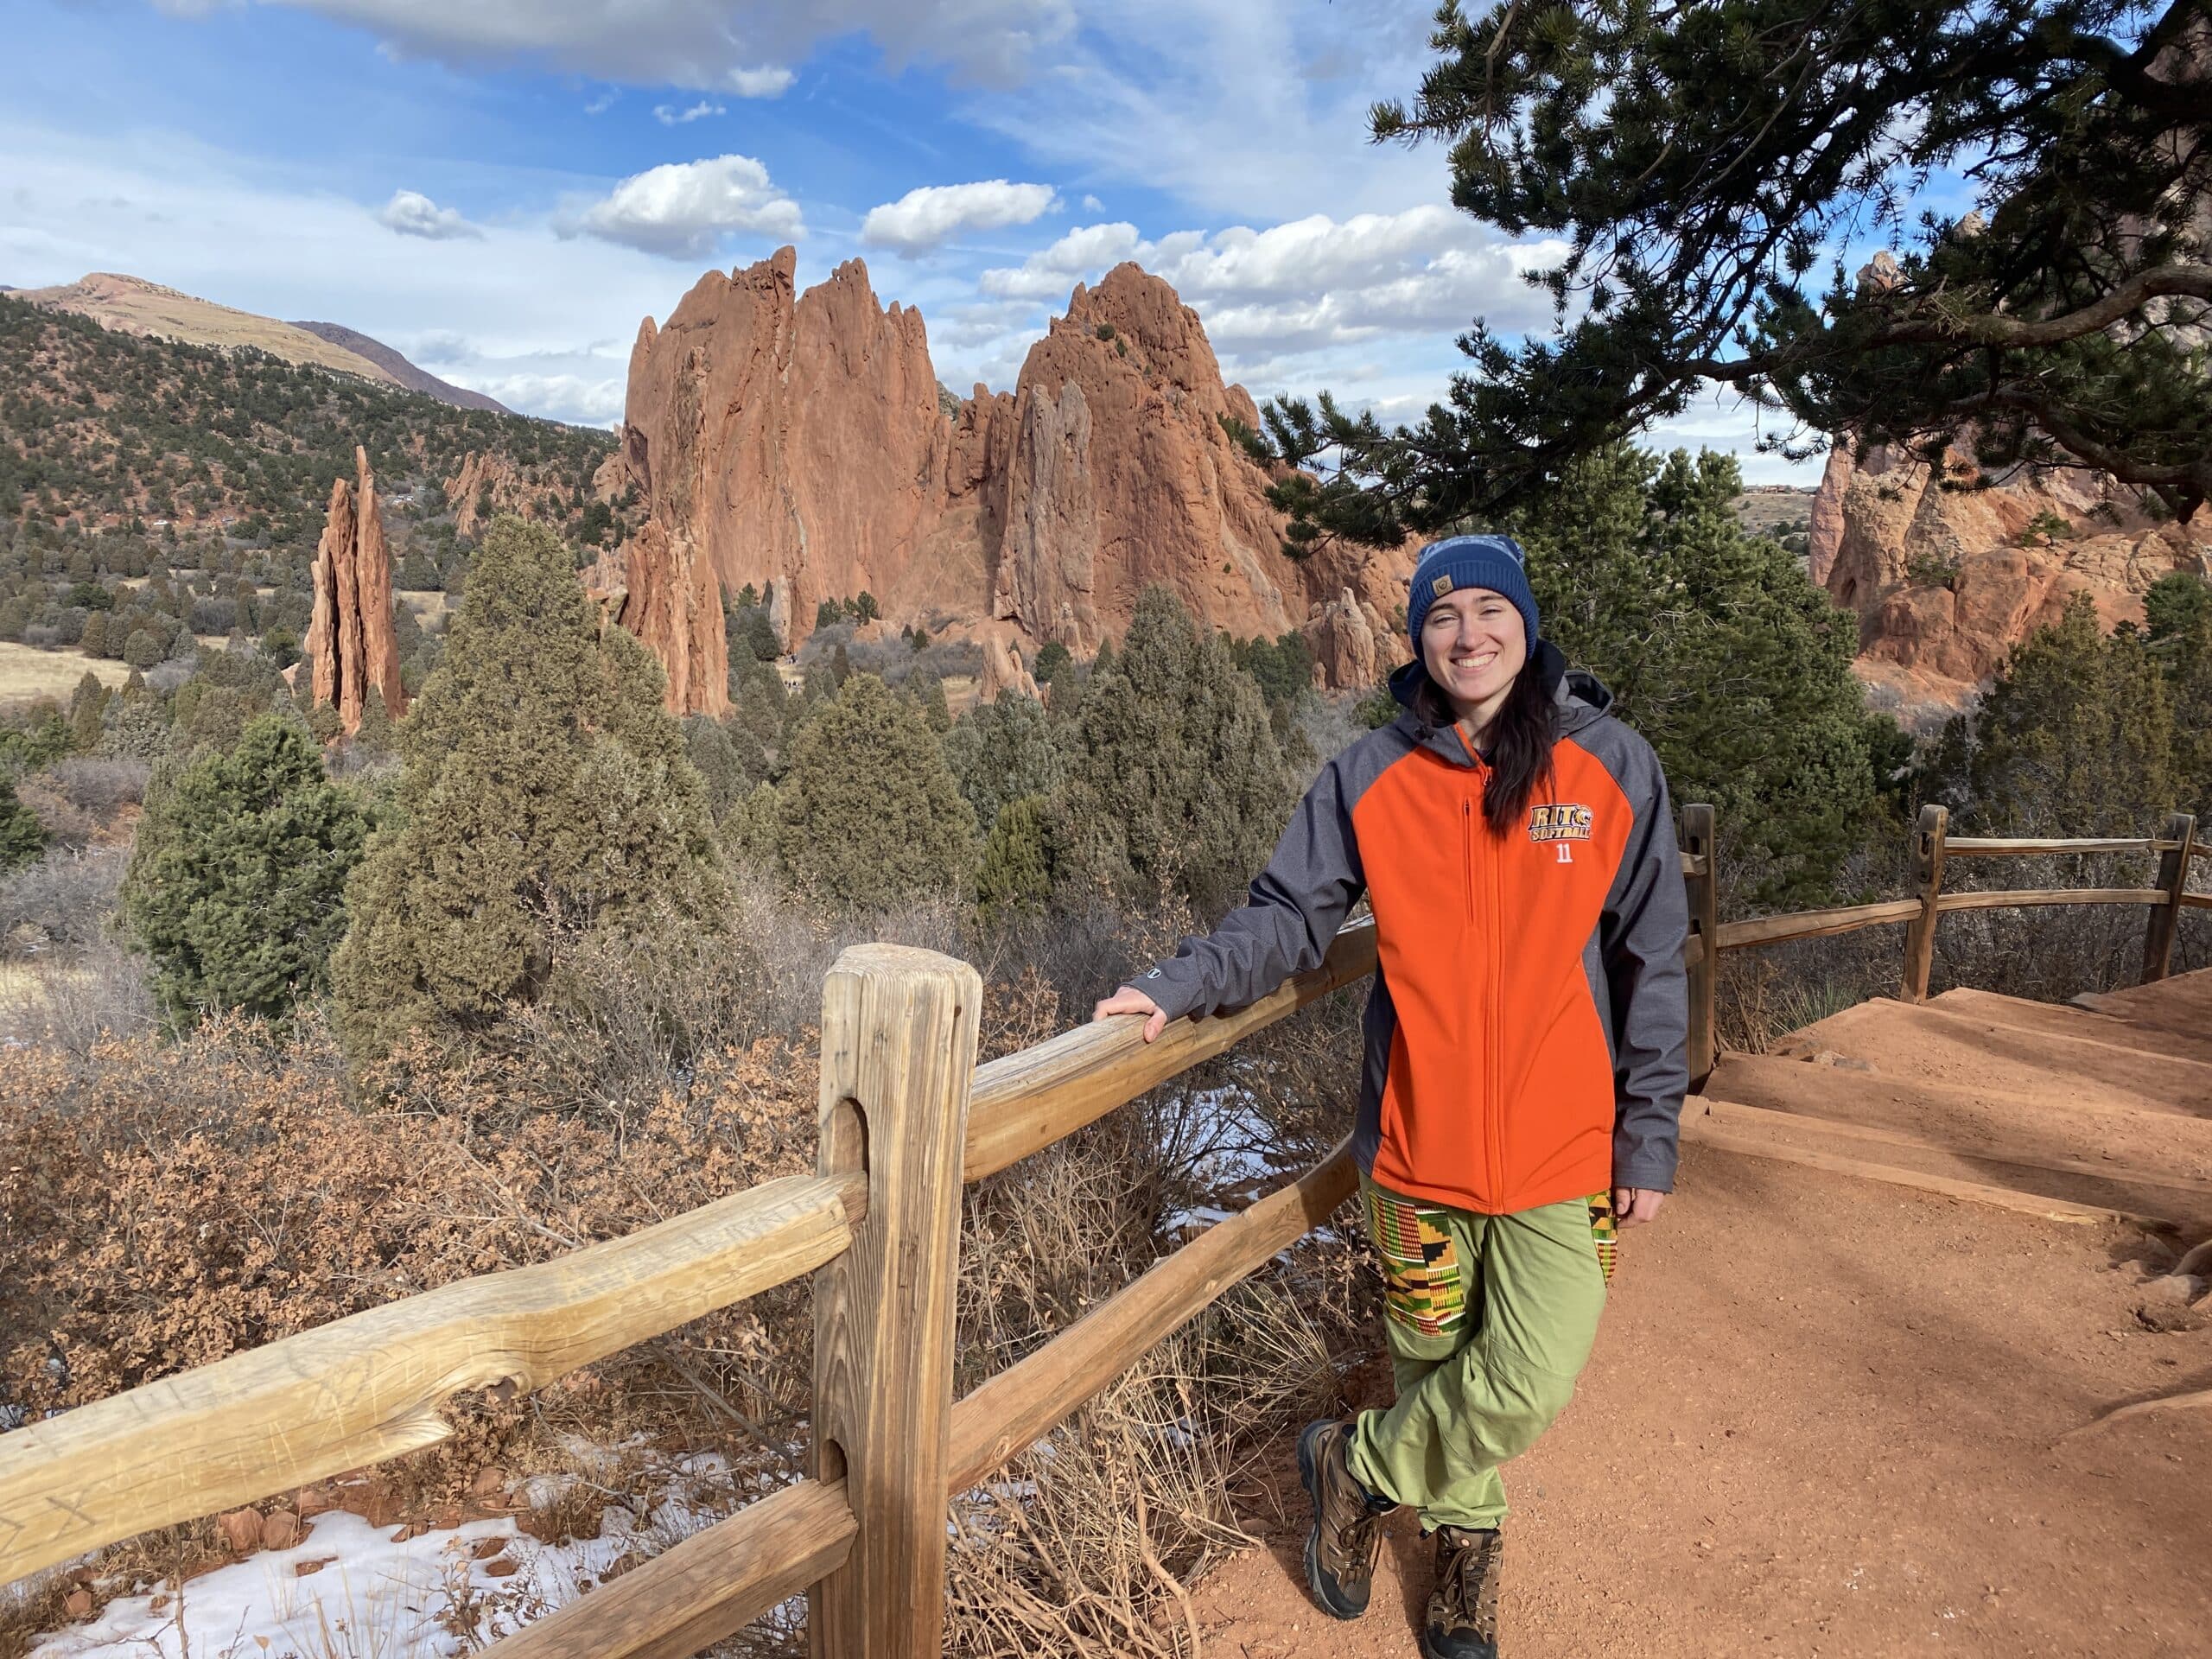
{"type": "Point", "coordinates": [1604, 1233]}
{"type": "Point", "coordinates": [1425, 1282]}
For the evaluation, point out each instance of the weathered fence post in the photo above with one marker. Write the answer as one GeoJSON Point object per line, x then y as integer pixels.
{"type": "Point", "coordinates": [2173, 879]}
{"type": "Point", "coordinates": [1705, 927]}
{"type": "Point", "coordinates": [898, 1062]}
{"type": "Point", "coordinates": [1920, 932]}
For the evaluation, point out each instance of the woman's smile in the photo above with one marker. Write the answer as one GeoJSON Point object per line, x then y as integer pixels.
{"type": "Point", "coordinates": [1474, 643]}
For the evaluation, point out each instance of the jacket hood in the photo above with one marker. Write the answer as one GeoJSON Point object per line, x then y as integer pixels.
{"type": "Point", "coordinates": [1577, 698]}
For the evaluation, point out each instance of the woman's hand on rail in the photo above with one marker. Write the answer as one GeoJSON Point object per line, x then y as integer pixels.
{"type": "Point", "coordinates": [1129, 1000]}
{"type": "Point", "coordinates": [1633, 1205]}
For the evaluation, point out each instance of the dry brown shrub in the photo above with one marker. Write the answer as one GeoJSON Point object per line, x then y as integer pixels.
{"type": "Point", "coordinates": [100, 785]}
{"type": "Point", "coordinates": [173, 1203]}
{"type": "Point", "coordinates": [67, 825]}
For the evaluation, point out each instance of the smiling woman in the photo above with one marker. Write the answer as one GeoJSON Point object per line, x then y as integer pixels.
{"type": "Point", "coordinates": [1525, 1057]}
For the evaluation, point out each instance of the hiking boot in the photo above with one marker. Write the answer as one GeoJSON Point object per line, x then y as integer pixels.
{"type": "Point", "coordinates": [1462, 1621]}
{"type": "Point", "coordinates": [1340, 1548]}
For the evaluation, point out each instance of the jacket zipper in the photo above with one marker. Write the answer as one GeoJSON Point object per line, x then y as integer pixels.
{"type": "Point", "coordinates": [1495, 1105]}
{"type": "Point", "coordinates": [1467, 852]}
{"type": "Point", "coordinates": [1493, 1114]}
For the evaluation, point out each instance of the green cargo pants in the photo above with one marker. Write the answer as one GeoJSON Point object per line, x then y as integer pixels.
{"type": "Point", "coordinates": [1489, 1320]}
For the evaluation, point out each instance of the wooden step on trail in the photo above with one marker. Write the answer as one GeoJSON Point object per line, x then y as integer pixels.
{"type": "Point", "coordinates": [2110, 1030]}
{"type": "Point", "coordinates": [2062, 1111]}
{"type": "Point", "coordinates": [1949, 1045]}
{"type": "Point", "coordinates": [2059, 1189]}
{"type": "Point", "coordinates": [2181, 1006]}
{"type": "Point", "coordinates": [2056, 1123]}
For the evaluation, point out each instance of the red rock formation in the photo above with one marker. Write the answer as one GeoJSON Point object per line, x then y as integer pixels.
{"type": "Point", "coordinates": [1351, 646]}
{"type": "Point", "coordinates": [801, 444]}
{"type": "Point", "coordinates": [1003, 670]}
{"type": "Point", "coordinates": [798, 441]}
{"type": "Point", "coordinates": [352, 651]}
{"type": "Point", "coordinates": [1947, 580]}
{"type": "Point", "coordinates": [487, 476]}
{"type": "Point", "coordinates": [659, 588]}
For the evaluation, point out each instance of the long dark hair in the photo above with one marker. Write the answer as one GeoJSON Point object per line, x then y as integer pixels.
{"type": "Point", "coordinates": [1520, 738]}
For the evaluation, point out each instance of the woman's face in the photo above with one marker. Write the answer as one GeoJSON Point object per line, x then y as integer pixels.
{"type": "Point", "coordinates": [1472, 643]}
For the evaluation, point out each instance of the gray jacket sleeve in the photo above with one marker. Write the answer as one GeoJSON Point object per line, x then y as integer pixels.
{"type": "Point", "coordinates": [1289, 917]}
{"type": "Point", "coordinates": [1640, 937]}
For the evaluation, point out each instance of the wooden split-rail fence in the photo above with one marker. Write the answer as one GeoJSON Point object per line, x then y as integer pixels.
{"type": "Point", "coordinates": [906, 1118]}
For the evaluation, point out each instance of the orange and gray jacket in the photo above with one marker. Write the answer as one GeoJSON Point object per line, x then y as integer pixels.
{"type": "Point", "coordinates": [1526, 1035]}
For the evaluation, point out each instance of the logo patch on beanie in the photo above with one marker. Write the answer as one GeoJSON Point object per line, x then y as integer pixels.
{"type": "Point", "coordinates": [1442, 586]}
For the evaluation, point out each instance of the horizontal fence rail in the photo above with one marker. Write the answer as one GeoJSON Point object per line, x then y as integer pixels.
{"type": "Point", "coordinates": [2027, 898]}
{"type": "Point", "coordinates": [2015, 847]}
{"type": "Point", "coordinates": [368, 1387]}
{"type": "Point", "coordinates": [1812, 924]}
{"type": "Point", "coordinates": [1026, 1102]}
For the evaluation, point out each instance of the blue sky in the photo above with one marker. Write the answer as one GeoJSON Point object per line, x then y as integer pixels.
{"type": "Point", "coordinates": [502, 188]}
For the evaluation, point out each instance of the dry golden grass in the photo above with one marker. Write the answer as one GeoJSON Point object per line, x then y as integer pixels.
{"type": "Point", "coordinates": [131, 305]}
{"type": "Point", "coordinates": [1770, 512]}
{"type": "Point", "coordinates": [28, 673]}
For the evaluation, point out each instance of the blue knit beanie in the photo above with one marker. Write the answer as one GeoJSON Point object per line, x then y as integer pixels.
{"type": "Point", "coordinates": [1491, 562]}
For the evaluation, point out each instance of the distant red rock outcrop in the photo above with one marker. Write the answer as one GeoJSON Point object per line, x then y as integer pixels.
{"type": "Point", "coordinates": [658, 588]}
{"type": "Point", "coordinates": [800, 443]}
{"type": "Point", "coordinates": [1947, 578]}
{"type": "Point", "coordinates": [486, 484]}
{"type": "Point", "coordinates": [352, 654]}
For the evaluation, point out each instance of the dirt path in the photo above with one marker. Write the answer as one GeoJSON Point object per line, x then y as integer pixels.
{"type": "Point", "coordinates": [1825, 1414]}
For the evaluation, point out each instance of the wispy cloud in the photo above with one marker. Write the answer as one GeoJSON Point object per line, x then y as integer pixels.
{"type": "Point", "coordinates": [701, 45]}
{"type": "Point", "coordinates": [768, 81]}
{"type": "Point", "coordinates": [669, 116]}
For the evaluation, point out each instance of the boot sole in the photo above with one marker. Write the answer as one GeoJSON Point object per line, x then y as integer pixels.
{"type": "Point", "coordinates": [1428, 1652]}
{"type": "Point", "coordinates": [1310, 1473]}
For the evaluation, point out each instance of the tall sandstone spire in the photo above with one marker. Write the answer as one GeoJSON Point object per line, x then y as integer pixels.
{"type": "Point", "coordinates": [800, 443]}
{"type": "Point", "coordinates": [351, 652]}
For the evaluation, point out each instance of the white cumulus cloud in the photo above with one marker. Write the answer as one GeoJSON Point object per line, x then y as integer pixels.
{"type": "Point", "coordinates": [412, 213]}
{"type": "Point", "coordinates": [683, 209]}
{"type": "Point", "coordinates": [1312, 282]}
{"type": "Point", "coordinates": [921, 219]}
{"type": "Point", "coordinates": [669, 116]}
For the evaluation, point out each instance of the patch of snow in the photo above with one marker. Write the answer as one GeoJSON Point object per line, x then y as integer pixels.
{"type": "Point", "coordinates": [351, 1591]}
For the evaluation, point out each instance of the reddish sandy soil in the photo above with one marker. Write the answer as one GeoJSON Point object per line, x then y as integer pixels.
{"type": "Point", "coordinates": [1829, 1415]}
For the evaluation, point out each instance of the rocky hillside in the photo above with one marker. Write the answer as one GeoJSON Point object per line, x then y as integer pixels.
{"type": "Point", "coordinates": [1947, 576]}
{"type": "Point", "coordinates": [398, 370]}
{"type": "Point", "coordinates": [103, 429]}
{"type": "Point", "coordinates": [131, 305]}
{"type": "Point", "coordinates": [154, 494]}
{"type": "Point", "coordinates": [799, 444]}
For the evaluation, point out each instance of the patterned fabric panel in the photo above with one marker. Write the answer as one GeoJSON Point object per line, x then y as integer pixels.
{"type": "Point", "coordinates": [1425, 1284]}
{"type": "Point", "coordinates": [1604, 1232]}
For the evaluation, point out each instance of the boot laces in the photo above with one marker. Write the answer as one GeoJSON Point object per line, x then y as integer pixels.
{"type": "Point", "coordinates": [1469, 1578]}
{"type": "Point", "coordinates": [1357, 1534]}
